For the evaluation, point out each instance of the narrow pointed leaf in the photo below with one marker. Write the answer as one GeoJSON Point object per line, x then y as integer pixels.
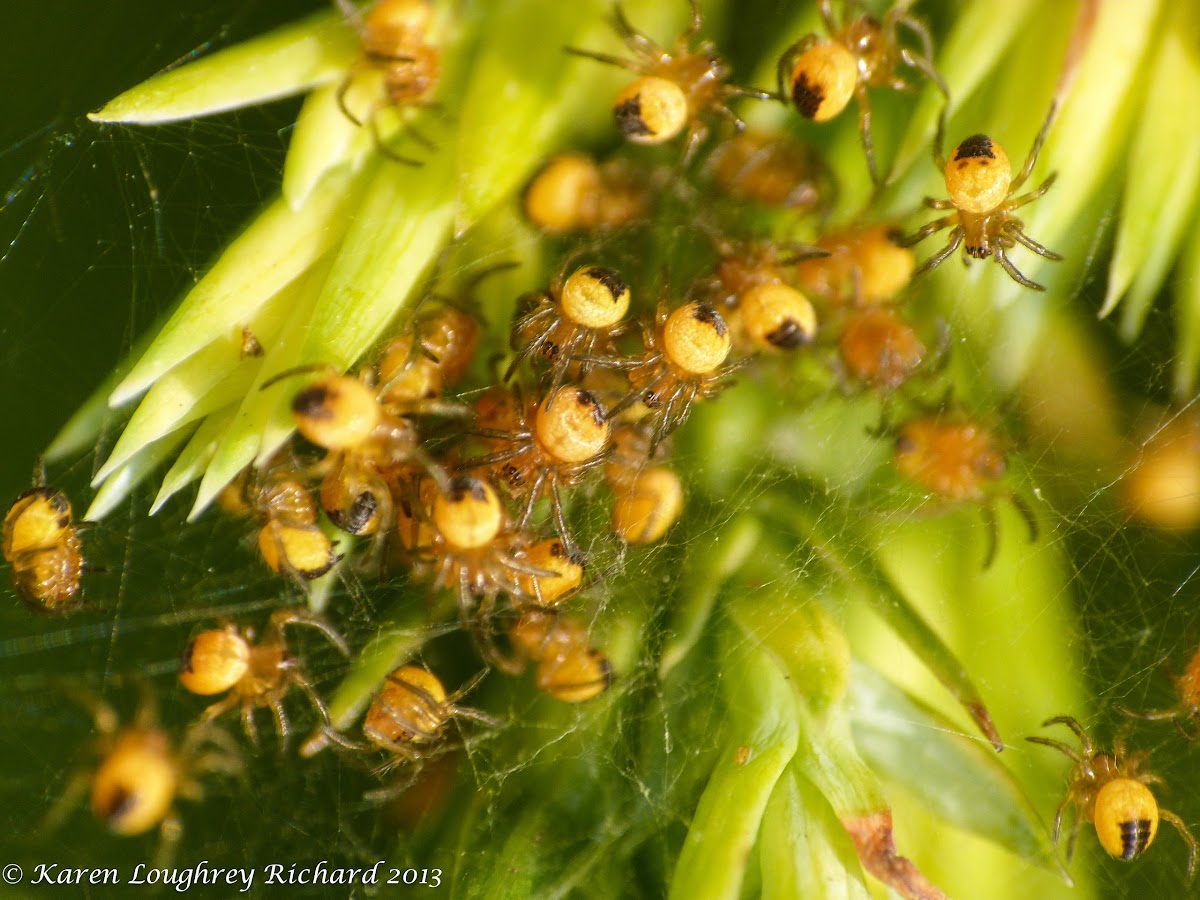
{"type": "Point", "coordinates": [241, 442]}
{"type": "Point", "coordinates": [323, 140]}
{"type": "Point", "coordinates": [760, 738]}
{"type": "Point", "coordinates": [194, 457]}
{"type": "Point", "coordinates": [278, 247]}
{"type": "Point", "coordinates": [1163, 174]}
{"type": "Point", "coordinates": [829, 534]}
{"type": "Point", "coordinates": [803, 849]}
{"type": "Point", "coordinates": [912, 744]}
{"type": "Point", "coordinates": [139, 467]}
{"type": "Point", "coordinates": [710, 564]}
{"type": "Point", "coordinates": [283, 62]}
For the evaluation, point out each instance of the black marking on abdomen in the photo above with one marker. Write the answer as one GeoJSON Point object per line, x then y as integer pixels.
{"type": "Point", "coordinates": [974, 146]}
{"type": "Point", "coordinates": [1135, 837]}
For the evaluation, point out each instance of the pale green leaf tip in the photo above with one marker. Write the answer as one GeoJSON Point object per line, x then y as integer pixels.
{"type": "Point", "coordinates": [1112, 298]}
{"type": "Point", "coordinates": [275, 65]}
{"type": "Point", "coordinates": [121, 483]}
{"type": "Point", "coordinates": [233, 455]}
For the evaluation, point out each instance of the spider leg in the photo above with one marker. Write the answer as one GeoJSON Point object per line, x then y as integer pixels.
{"type": "Point", "coordinates": [1188, 838]}
{"type": "Point", "coordinates": [350, 12]}
{"type": "Point", "coordinates": [1036, 149]}
{"type": "Point", "coordinates": [524, 568]}
{"type": "Point", "coordinates": [1065, 749]}
{"type": "Point", "coordinates": [607, 58]}
{"type": "Point", "coordinates": [382, 146]}
{"type": "Point", "coordinates": [340, 96]}
{"type": "Point", "coordinates": [1085, 742]}
{"type": "Point", "coordinates": [566, 356]}
{"type": "Point", "coordinates": [939, 140]}
{"type": "Point", "coordinates": [721, 109]}
{"type": "Point", "coordinates": [560, 519]}
{"type": "Point", "coordinates": [535, 492]}
{"type": "Point", "coordinates": [930, 227]}
{"type": "Point", "coordinates": [952, 243]}
{"type": "Point", "coordinates": [73, 794]}
{"type": "Point", "coordinates": [1014, 272]}
{"type": "Point", "coordinates": [696, 135]}
{"type": "Point", "coordinates": [313, 698]}
{"type": "Point", "coordinates": [395, 747]}
{"type": "Point", "coordinates": [226, 703]}
{"type": "Point", "coordinates": [826, 9]}
{"type": "Point", "coordinates": [432, 468]}
{"type": "Point", "coordinates": [281, 722]}
{"type": "Point", "coordinates": [993, 536]}
{"type": "Point", "coordinates": [392, 791]}
{"type": "Point", "coordinates": [900, 17]}
{"type": "Point", "coordinates": [483, 640]}
{"type": "Point", "coordinates": [635, 40]}
{"type": "Point", "coordinates": [693, 28]}
{"type": "Point", "coordinates": [419, 138]}
{"type": "Point", "coordinates": [1189, 731]}
{"type": "Point", "coordinates": [534, 344]}
{"type": "Point", "coordinates": [284, 617]}
{"type": "Point", "coordinates": [1076, 824]}
{"type": "Point", "coordinates": [248, 724]}
{"type": "Point", "coordinates": [1029, 243]}
{"type": "Point", "coordinates": [608, 362]}
{"type": "Point", "coordinates": [636, 394]}
{"type": "Point", "coordinates": [735, 90]}
{"type": "Point", "coordinates": [169, 834]}
{"type": "Point", "coordinates": [783, 69]}
{"type": "Point", "coordinates": [1026, 513]}
{"type": "Point", "coordinates": [326, 733]}
{"type": "Point", "coordinates": [864, 129]}
{"type": "Point", "coordinates": [1153, 715]}
{"type": "Point", "coordinates": [1058, 817]}
{"type": "Point", "coordinates": [431, 706]}
{"type": "Point", "coordinates": [217, 762]}
{"type": "Point", "coordinates": [1041, 189]}
{"type": "Point", "coordinates": [499, 456]}
{"type": "Point", "coordinates": [475, 715]}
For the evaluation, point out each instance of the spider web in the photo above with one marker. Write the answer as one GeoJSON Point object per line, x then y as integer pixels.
{"type": "Point", "coordinates": [102, 227]}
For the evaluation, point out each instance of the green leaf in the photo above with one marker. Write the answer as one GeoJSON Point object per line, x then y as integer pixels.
{"type": "Point", "coordinates": [275, 250]}
{"type": "Point", "coordinates": [323, 140]}
{"type": "Point", "coordinates": [1163, 175]}
{"type": "Point", "coordinates": [803, 850]}
{"type": "Point", "coordinates": [242, 440]}
{"type": "Point", "coordinates": [195, 456]}
{"type": "Point", "coordinates": [906, 741]}
{"type": "Point", "coordinates": [761, 732]}
{"type": "Point", "coordinates": [209, 380]}
{"type": "Point", "coordinates": [135, 470]}
{"type": "Point", "coordinates": [711, 560]}
{"type": "Point", "coordinates": [839, 545]}
{"type": "Point", "coordinates": [278, 64]}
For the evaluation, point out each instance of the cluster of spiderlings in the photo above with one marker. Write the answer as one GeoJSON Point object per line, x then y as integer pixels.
{"type": "Point", "coordinates": [472, 494]}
